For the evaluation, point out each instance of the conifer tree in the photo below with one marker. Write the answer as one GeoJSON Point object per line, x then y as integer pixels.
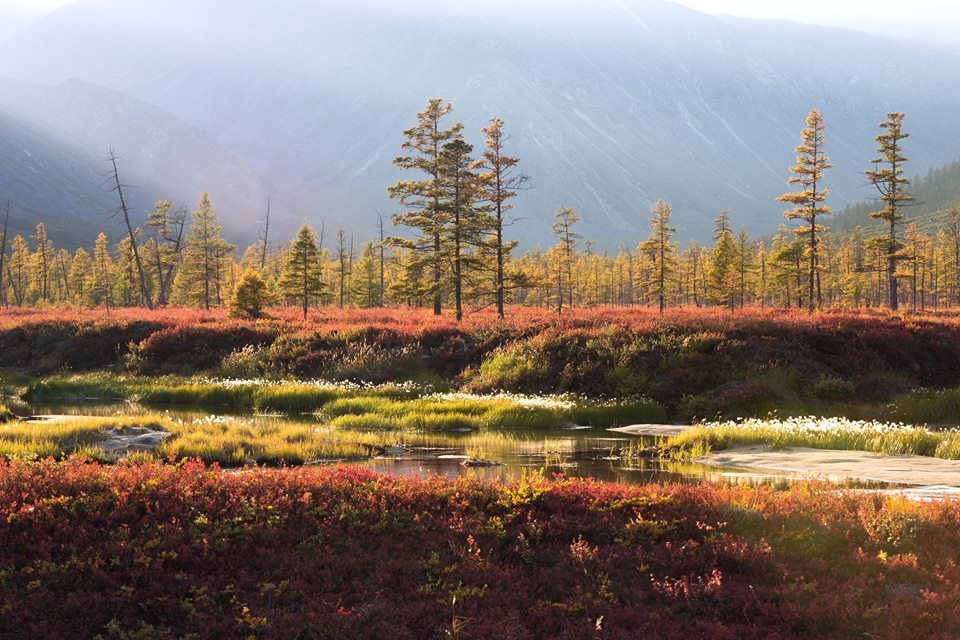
{"type": "Point", "coordinates": [567, 239]}
{"type": "Point", "coordinates": [249, 296]}
{"type": "Point", "coordinates": [102, 285]}
{"type": "Point", "coordinates": [501, 183]}
{"type": "Point", "coordinates": [810, 202]}
{"type": "Point", "coordinates": [425, 215]}
{"type": "Point", "coordinates": [951, 237]}
{"type": "Point", "coordinates": [343, 265]}
{"type": "Point", "coordinates": [43, 259]}
{"type": "Point", "coordinates": [18, 270]}
{"type": "Point", "coordinates": [81, 275]}
{"type": "Point", "coordinates": [302, 279]}
{"type": "Point", "coordinates": [165, 245]}
{"type": "Point", "coordinates": [722, 261]}
{"type": "Point", "coordinates": [200, 275]}
{"type": "Point", "coordinates": [889, 180]}
{"type": "Point", "coordinates": [663, 253]}
{"type": "Point", "coordinates": [365, 287]}
{"type": "Point", "coordinates": [126, 287]}
{"type": "Point", "coordinates": [459, 190]}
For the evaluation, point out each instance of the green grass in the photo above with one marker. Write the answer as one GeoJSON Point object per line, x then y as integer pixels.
{"type": "Point", "coordinates": [454, 412]}
{"type": "Point", "coordinates": [350, 406]}
{"type": "Point", "coordinates": [816, 433]}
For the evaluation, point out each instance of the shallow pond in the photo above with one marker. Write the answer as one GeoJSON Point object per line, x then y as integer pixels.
{"type": "Point", "coordinates": [582, 452]}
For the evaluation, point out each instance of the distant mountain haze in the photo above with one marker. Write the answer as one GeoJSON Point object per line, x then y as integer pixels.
{"type": "Point", "coordinates": [611, 105]}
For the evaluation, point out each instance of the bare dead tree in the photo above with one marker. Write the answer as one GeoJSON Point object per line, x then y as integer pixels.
{"type": "Point", "coordinates": [342, 262]}
{"type": "Point", "coordinates": [116, 186]}
{"type": "Point", "coordinates": [264, 242]}
{"type": "Point", "coordinates": [3, 254]}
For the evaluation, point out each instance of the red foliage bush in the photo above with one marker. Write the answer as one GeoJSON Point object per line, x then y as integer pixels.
{"type": "Point", "coordinates": [164, 551]}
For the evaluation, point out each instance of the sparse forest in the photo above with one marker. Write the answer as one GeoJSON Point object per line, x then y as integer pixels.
{"type": "Point", "coordinates": [450, 247]}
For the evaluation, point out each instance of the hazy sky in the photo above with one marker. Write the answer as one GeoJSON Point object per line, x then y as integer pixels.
{"type": "Point", "coordinates": [939, 19]}
{"type": "Point", "coordinates": [935, 19]}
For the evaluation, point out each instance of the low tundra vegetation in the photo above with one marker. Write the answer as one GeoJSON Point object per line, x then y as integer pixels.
{"type": "Point", "coordinates": [143, 550]}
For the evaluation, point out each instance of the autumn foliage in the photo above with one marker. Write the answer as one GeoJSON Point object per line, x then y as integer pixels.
{"type": "Point", "coordinates": [150, 551]}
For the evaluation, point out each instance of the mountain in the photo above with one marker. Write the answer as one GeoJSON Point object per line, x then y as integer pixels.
{"type": "Point", "coordinates": [58, 139]}
{"type": "Point", "coordinates": [611, 104]}
{"type": "Point", "coordinates": [934, 193]}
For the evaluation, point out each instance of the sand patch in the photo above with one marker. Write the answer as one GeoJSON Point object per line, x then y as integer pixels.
{"type": "Point", "coordinates": [652, 430]}
{"type": "Point", "coordinates": [837, 466]}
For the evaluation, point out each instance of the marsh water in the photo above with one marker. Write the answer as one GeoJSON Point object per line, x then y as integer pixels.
{"type": "Point", "coordinates": [580, 452]}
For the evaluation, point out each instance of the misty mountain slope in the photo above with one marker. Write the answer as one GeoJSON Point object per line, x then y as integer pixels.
{"type": "Point", "coordinates": [611, 104]}
{"type": "Point", "coordinates": [45, 182]}
{"type": "Point", "coordinates": [61, 138]}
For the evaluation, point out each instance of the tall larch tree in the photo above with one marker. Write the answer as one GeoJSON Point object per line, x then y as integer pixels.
{"type": "Point", "coordinates": [663, 254]}
{"type": "Point", "coordinates": [810, 201]}
{"type": "Point", "coordinates": [502, 182]}
{"type": "Point", "coordinates": [468, 222]}
{"type": "Point", "coordinates": [202, 269]}
{"type": "Point", "coordinates": [302, 280]}
{"type": "Point", "coordinates": [567, 238]}
{"type": "Point", "coordinates": [43, 262]}
{"type": "Point", "coordinates": [424, 214]}
{"type": "Point", "coordinates": [101, 287]}
{"type": "Point", "coordinates": [18, 270]}
{"type": "Point", "coordinates": [887, 176]}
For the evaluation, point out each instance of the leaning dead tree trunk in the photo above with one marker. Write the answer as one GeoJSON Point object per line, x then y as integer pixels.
{"type": "Point", "coordinates": [3, 255]}
{"type": "Point", "coordinates": [265, 240]}
{"type": "Point", "coordinates": [125, 212]}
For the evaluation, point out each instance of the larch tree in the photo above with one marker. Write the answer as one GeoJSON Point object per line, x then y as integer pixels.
{"type": "Point", "coordinates": [502, 181]}
{"type": "Point", "coordinates": [166, 245]}
{"type": "Point", "coordinates": [951, 234]}
{"type": "Point", "coordinates": [250, 296]}
{"type": "Point", "coordinates": [102, 280]}
{"type": "Point", "coordinates": [663, 254]}
{"type": "Point", "coordinates": [424, 214]}
{"type": "Point", "coordinates": [202, 269]}
{"type": "Point", "coordinates": [343, 265]}
{"type": "Point", "coordinates": [459, 190]}
{"type": "Point", "coordinates": [81, 275]}
{"type": "Point", "coordinates": [888, 178]}
{"type": "Point", "coordinates": [723, 260]}
{"type": "Point", "coordinates": [365, 287]}
{"type": "Point", "coordinates": [18, 270]}
{"type": "Point", "coordinates": [810, 201]}
{"type": "Point", "coordinates": [43, 262]}
{"type": "Point", "coordinates": [302, 280]}
{"type": "Point", "coordinates": [563, 229]}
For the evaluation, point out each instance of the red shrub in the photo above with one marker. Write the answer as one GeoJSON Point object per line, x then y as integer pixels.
{"type": "Point", "coordinates": [175, 551]}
